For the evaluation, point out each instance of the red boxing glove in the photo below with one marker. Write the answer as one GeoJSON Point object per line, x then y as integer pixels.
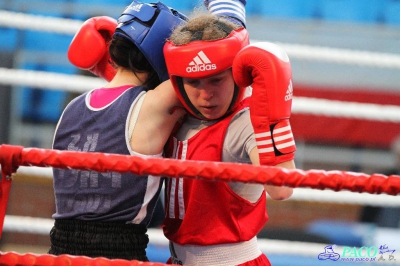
{"type": "Point", "coordinates": [266, 67]}
{"type": "Point", "coordinates": [89, 47]}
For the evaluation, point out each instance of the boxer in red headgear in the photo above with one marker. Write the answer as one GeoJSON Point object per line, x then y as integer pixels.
{"type": "Point", "coordinates": [205, 60]}
{"type": "Point", "coordinates": [216, 223]}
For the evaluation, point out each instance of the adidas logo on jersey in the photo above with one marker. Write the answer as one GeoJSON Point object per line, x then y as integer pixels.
{"type": "Point", "coordinates": [200, 63]}
{"type": "Point", "coordinates": [289, 92]}
{"type": "Point", "coordinates": [136, 7]}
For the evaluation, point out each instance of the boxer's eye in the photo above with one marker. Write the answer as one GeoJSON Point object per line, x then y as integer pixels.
{"type": "Point", "coordinates": [215, 80]}
{"type": "Point", "coordinates": [192, 82]}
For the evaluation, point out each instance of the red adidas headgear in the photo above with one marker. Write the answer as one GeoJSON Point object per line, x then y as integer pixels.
{"type": "Point", "coordinates": [200, 59]}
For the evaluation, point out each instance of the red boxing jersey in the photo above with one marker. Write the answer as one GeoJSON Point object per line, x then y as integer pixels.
{"type": "Point", "coordinates": [203, 212]}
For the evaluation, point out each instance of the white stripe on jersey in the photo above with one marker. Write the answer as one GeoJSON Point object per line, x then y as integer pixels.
{"type": "Point", "coordinates": [172, 198]}
{"type": "Point", "coordinates": [171, 204]}
{"type": "Point", "coordinates": [181, 199]}
{"type": "Point", "coordinates": [177, 184]}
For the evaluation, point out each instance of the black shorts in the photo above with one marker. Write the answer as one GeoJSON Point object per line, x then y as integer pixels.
{"type": "Point", "coordinates": [94, 239]}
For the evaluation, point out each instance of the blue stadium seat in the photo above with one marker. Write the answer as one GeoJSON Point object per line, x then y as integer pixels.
{"type": "Point", "coordinates": [340, 232]}
{"type": "Point", "coordinates": [42, 105]}
{"type": "Point", "coordinates": [253, 8]}
{"type": "Point", "coordinates": [8, 39]}
{"type": "Point", "coordinates": [286, 8]}
{"type": "Point", "coordinates": [45, 41]}
{"type": "Point", "coordinates": [364, 11]}
{"type": "Point", "coordinates": [183, 6]}
{"type": "Point", "coordinates": [103, 2]}
{"type": "Point", "coordinates": [83, 9]}
{"type": "Point", "coordinates": [54, 8]}
{"type": "Point", "coordinates": [100, 4]}
{"type": "Point", "coordinates": [178, 5]}
{"type": "Point", "coordinates": [391, 13]}
{"type": "Point", "coordinates": [35, 40]}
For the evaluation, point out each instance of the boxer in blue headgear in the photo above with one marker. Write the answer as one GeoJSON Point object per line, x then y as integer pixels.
{"type": "Point", "coordinates": [148, 26]}
{"type": "Point", "coordinates": [107, 214]}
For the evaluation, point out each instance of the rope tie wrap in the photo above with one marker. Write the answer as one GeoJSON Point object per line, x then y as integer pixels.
{"type": "Point", "coordinates": [10, 159]}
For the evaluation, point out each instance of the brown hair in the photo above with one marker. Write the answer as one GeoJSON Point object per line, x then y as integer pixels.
{"type": "Point", "coordinates": [202, 26]}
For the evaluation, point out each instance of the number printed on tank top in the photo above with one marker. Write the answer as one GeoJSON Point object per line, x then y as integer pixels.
{"type": "Point", "coordinates": [88, 180]}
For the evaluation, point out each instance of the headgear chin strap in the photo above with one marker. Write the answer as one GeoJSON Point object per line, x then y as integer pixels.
{"type": "Point", "coordinates": [148, 26]}
{"type": "Point", "coordinates": [200, 59]}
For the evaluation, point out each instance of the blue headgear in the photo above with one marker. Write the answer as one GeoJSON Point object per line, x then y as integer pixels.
{"type": "Point", "coordinates": [148, 26]}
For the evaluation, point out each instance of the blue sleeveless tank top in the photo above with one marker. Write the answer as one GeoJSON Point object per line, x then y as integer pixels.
{"type": "Point", "coordinates": [94, 196]}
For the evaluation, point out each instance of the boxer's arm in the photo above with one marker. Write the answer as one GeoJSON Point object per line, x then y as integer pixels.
{"type": "Point", "coordinates": [156, 116]}
{"type": "Point", "coordinates": [275, 192]}
{"type": "Point", "coordinates": [233, 10]}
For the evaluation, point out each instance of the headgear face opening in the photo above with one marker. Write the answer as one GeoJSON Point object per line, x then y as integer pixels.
{"type": "Point", "coordinates": [148, 26]}
{"type": "Point", "coordinates": [200, 59]}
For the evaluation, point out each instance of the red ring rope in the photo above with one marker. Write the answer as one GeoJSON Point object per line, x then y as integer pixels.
{"type": "Point", "coordinates": [103, 162]}
{"type": "Point", "coordinates": [13, 258]}
{"type": "Point", "coordinates": [13, 156]}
